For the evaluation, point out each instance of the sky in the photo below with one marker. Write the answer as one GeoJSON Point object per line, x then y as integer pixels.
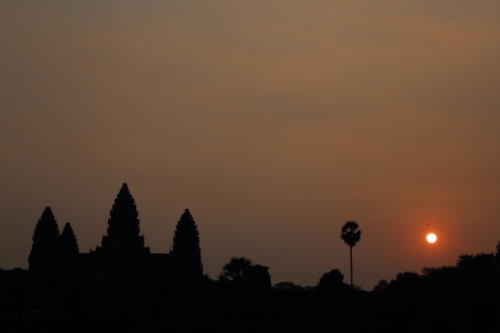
{"type": "Point", "coordinates": [274, 121]}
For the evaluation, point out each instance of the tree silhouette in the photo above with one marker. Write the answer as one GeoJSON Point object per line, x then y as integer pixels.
{"type": "Point", "coordinates": [241, 272]}
{"type": "Point", "coordinates": [236, 269]}
{"type": "Point", "coordinates": [332, 280]}
{"type": "Point", "coordinates": [350, 234]}
{"type": "Point", "coordinates": [288, 286]}
{"type": "Point", "coordinates": [44, 251]}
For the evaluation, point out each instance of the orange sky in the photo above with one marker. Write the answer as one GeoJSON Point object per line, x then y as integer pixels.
{"type": "Point", "coordinates": [274, 121]}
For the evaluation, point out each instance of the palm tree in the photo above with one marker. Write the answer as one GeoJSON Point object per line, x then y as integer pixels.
{"type": "Point", "coordinates": [351, 234]}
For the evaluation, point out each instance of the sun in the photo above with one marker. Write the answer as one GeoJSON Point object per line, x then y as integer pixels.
{"type": "Point", "coordinates": [431, 238]}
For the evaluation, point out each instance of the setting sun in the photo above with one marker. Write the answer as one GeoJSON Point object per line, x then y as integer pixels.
{"type": "Point", "coordinates": [431, 238]}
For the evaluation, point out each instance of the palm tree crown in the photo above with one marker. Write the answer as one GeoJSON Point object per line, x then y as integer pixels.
{"type": "Point", "coordinates": [350, 233]}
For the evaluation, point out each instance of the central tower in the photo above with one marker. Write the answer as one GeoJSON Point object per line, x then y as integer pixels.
{"type": "Point", "coordinates": [123, 243]}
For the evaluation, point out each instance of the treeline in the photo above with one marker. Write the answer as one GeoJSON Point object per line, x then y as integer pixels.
{"type": "Point", "coordinates": [460, 298]}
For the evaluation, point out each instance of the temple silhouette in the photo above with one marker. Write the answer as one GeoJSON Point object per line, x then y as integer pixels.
{"type": "Point", "coordinates": [120, 286]}
{"type": "Point", "coordinates": [122, 250]}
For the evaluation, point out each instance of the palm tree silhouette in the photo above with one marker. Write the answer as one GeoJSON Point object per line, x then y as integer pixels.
{"type": "Point", "coordinates": [350, 234]}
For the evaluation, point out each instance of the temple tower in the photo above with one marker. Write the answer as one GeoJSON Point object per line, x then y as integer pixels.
{"type": "Point", "coordinates": [68, 248]}
{"type": "Point", "coordinates": [186, 249]}
{"type": "Point", "coordinates": [44, 253]}
{"type": "Point", "coordinates": [123, 243]}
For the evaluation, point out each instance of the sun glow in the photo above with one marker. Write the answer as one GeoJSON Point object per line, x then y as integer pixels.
{"type": "Point", "coordinates": [431, 238]}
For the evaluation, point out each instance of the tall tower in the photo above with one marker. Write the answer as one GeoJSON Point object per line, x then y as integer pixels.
{"type": "Point", "coordinates": [45, 249]}
{"type": "Point", "coordinates": [186, 249]}
{"type": "Point", "coordinates": [68, 246]}
{"type": "Point", "coordinates": [123, 244]}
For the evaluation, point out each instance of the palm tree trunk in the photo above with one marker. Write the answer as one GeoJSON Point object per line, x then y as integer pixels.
{"type": "Point", "coordinates": [350, 247]}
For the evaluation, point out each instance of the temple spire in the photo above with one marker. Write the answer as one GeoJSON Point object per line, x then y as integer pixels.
{"type": "Point", "coordinates": [123, 215]}
{"type": "Point", "coordinates": [44, 251]}
{"type": "Point", "coordinates": [67, 242]}
{"type": "Point", "coordinates": [68, 250]}
{"type": "Point", "coordinates": [123, 226]}
{"type": "Point", "coordinates": [186, 248]}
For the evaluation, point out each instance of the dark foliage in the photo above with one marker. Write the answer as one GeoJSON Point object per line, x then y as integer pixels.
{"type": "Point", "coordinates": [331, 281]}
{"type": "Point", "coordinates": [461, 298]}
{"type": "Point", "coordinates": [241, 273]}
{"type": "Point", "coordinates": [350, 233]}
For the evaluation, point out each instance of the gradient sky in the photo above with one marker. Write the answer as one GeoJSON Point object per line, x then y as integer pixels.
{"type": "Point", "coordinates": [275, 121]}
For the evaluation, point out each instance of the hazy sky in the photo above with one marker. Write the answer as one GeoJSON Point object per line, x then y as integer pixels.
{"type": "Point", "coordinates": [275, 121]}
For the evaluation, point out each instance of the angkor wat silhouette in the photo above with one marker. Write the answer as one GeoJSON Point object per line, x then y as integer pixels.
{"type": "Point", "coordinates": [121, 286]}
{"type": "Point", "coordinates": [122, 249]}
